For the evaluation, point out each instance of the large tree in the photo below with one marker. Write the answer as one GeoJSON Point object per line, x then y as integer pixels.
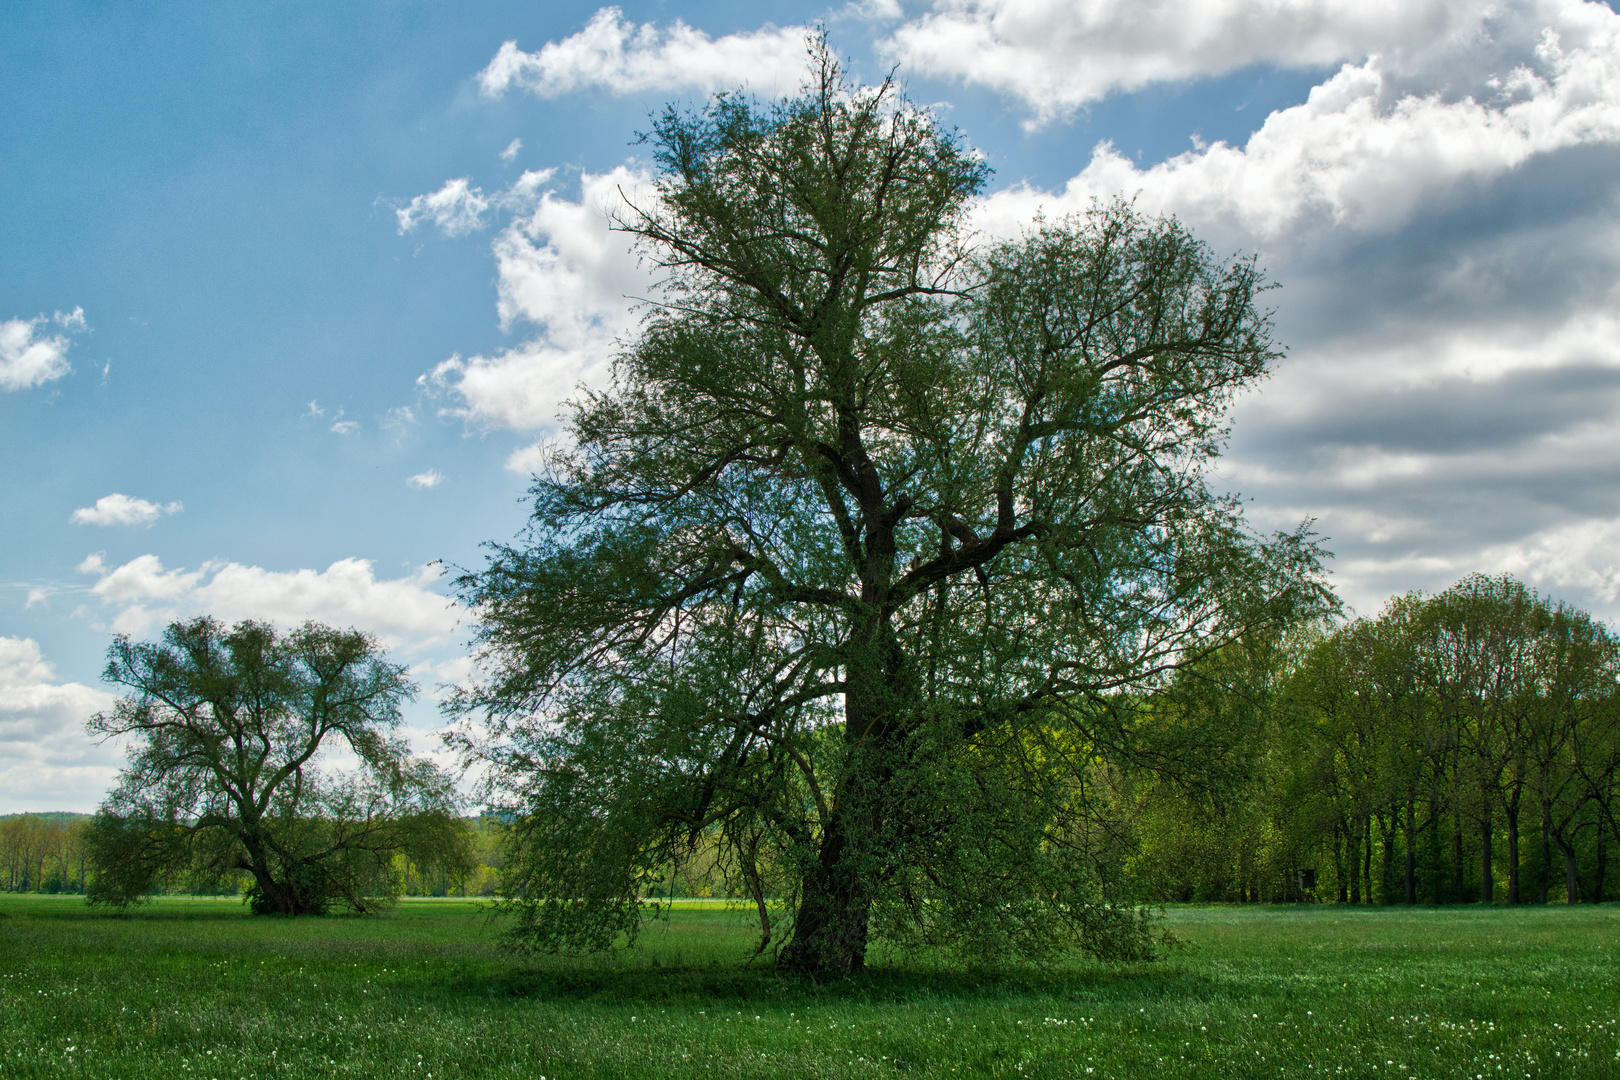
{"type": "Point", "coordinates": [232, 733]}
{"type": "Point", "coordinates": [863, 558]}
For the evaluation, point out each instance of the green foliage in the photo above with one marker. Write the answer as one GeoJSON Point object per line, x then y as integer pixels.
{"type": "Point", "coordinates": [227, 730]}
{"type": "Point", "coordinates": [848, 574]}
{"type": "Point", "coordinates": [1458, 747]}
{"type": "Point", "coordinates": [196, 987]}
{"type": "Point", "coordinates": [43, 852]}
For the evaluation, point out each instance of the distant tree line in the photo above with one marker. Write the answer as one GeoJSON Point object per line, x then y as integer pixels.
{"type": "Point", "coordinates": [48, 853]}
{"type": "Point", "coordinates": [1456, 748]}
{"type": "Point", "coordinates": [43, 853]}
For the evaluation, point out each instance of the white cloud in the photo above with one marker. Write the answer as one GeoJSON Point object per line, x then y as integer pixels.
{"type": "Point", "coordinates": [510, 154]}
{"type": "Point", "coordinates": [404, 612]}
{"type": "Point", "coordinates": [560, 267]}
{"type": "Point", "coordinates": [458, 208]}
{"type": "Point", "coordinates": [1345, 159]}
{"type": "Point", "coordinates": [527, 460]}
{"type": "Point", "coordinates": [29, 358]}
{"type": "Point", "coordinates": [341, 426]}
{"type": "Point", "coordinates": [1451, 270]}
{"type": "Point", "coordinates": [615, 55]}
{"type": "Point", "coordinates": [1580, 556]}
{"type": "Point", "coordinates": [1444, 211]}
{"type": "Point", "coordinates": [1492, 448]}
{"type": "Point", "coordinates": [1057, 55]}
{"type": "Point", "coordinates": [116, 509]}
{"type": "Point", "coordinates": [430, 479]}
{"type": "Point", "coordinates": [879, 10]}
{"type": "Point", "coordinates": [399, 419]}
{"type": "Point", "coordinates": [46, 760]}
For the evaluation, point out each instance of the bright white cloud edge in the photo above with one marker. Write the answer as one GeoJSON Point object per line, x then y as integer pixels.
{"type": "Point", "coordinates": [430, 479]}
{"type": "Point", "coordinates": [1360, 158]}
{"type": "Point", "coordinates": [140, 596]}
{"type": "Point", "coordinates": [30, 357]}
{"type": "Point", "coordinates": [612, 54]}
{"type": "Point", "coordinates": [563, 270]}
{"type": "Point", "coordinates": [120, 509]}
{"type": "Point", "coordinates": [1056, 56]}
{"type": "Point", "coordinates": [47, 762]}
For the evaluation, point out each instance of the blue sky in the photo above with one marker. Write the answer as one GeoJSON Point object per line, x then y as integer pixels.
{"type": "Point", "coordinates": [263, 265]}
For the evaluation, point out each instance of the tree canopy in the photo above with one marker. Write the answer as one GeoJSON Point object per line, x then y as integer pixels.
{"type": "Point", "coordinates": [1455, 748]}
{"type": "Point", "coordinates": [865, 556]}
{"type": "Point", "coordinates": [1486, 705]}
{"type": "Point", "coordinates": [232, 731]}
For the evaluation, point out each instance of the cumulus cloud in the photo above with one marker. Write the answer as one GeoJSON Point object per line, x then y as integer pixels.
{"type": "Point", "coordinates": [1451, 263]}
{"type": "Point", "coordinates": [1057, 55]}
{"type": "Point", "coordinates": [1443, 210]}
{"type": "Point", "coordinates": [510, 154]}
{"type": "Point", "coordinates": [1492, 448]}
{"type": "Point", "coordinates": [527, 460]}
{"type": "Point", "coordinates": [46, 760]}
{"type": "Point", "coordinates": [618, 56]}
{"type": "Point", "coordinates": [430, 479]}
{"type": "Point", "coordinates": [405, 612]}
{"type": "Point", "coordinates": [457, 208]}
{"type": "Point", "coordinates": [1347, 159]}
{"type": "Point", "coordinates": [30, 358]}
{"type": "Point", "coordinates": [561, 268]}
{"type": "Point", "coordinates": [117, 509]}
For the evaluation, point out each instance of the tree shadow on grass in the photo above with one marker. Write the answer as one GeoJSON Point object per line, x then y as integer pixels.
{"type": "Point", "coordinates": [67, 912]}
{"type": "Point", "coordinates": [721, 983]}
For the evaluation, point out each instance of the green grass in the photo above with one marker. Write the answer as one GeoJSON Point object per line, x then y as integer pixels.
{"type": "Point", "coordinates": [194, 988]}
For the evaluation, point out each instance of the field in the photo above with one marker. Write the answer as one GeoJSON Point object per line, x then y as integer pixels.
{"type": "Point", "coordinates": [194, 988]}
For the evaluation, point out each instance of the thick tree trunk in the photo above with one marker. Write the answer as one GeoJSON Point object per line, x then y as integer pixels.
{"type": "Point", "coordinates": [830, 928]}
{"type": "Point", "coordinates": [284, 896]}
{"type": "Point", "coordinates": [273, 895]}
{"type": "Point", "coordinates": [1487, 873]}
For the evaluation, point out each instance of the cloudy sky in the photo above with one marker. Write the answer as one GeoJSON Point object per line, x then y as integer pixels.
{"type": "Point", "coordinates": [289, 292]}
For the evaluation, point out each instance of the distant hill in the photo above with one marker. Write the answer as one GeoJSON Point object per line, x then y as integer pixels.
{"type": "Point", "coordinates": [61, 817]}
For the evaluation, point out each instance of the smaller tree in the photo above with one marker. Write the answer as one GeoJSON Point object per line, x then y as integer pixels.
{"type": "Point", "coordinates": [229, 729]}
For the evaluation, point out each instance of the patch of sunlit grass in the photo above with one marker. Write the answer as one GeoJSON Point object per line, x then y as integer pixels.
{"type": "Point", "coordinates": [195, 988]}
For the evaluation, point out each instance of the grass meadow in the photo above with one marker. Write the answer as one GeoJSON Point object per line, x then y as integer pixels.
{"type": "Point", "coordinates": [197, 989]}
